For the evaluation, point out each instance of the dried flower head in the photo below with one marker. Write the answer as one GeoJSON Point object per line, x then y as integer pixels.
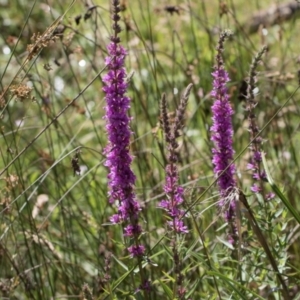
{"type": "Point", "coordinates": [87, 292]}
{"type": "Point", "coordinates": [11, 181]}
{"type": "Point", "coordinates": [21, 91]}
{"type": "Point", "coordinates": [39, 42]}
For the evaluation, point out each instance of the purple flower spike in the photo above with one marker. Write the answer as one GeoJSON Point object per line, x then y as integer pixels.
{"type": "Point", "coordinates": [222, 133]}
{"type": "Point", "coordinates": [121, 179]}
{"type": "Point", "coordinates": [174, 192]}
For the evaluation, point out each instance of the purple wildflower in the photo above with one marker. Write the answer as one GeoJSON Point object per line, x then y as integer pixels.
{"type": "Point", "coordinates": [174, 194]}
{"type": "Point", "coordinates": [222, 133]}
{"type": "Point", "coordinates": [173, 190]}
{"type": "Point", "coordinates": [270, 196]}
{"type": "Point", "coordinates": [257, 156]}
{"type": "Point", "coordinates": [132, 230]}
{"type": "Point", "coordinates": [178, 226]}
{"type": "Point", "coordinates": [255, 188]}
{"type": "Point", "coordinates": [121, 178]}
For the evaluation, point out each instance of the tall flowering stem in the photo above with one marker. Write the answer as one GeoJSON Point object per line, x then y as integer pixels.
{"type": "Point", "coordinates": [255, 163]}
{"type": "Point", "coordinates": [258, 172]}
{"type": "Point", "coordinates": [222, 135]}
{"type": "Point", "coordinates": [121, 179]}
{"type": "Point", "coordinates": [174, 192]}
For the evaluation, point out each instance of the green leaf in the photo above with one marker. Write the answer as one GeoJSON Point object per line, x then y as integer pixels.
{"type": "Point", "coordinates": [234, 286]}
{"type": "Point", "coordinates": [278, 192]}
{"type": "Point", "coordinates": [167, 290]}
{"type": "Point", "coordinates": [120, 279]}
{"type": "Point", "coordinates": [227, 244]}
{"type": "Point", "coordinates": [120, 263]}
{"type": "Point", "coordinates": [193, 288]}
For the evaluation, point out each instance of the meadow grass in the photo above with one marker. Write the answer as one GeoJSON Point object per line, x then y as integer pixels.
{"type": "Point", "coordinates": [56, 239]}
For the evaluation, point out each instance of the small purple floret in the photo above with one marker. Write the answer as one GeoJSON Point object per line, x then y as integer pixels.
{"type": "Point", "coordinates": [136, 250]}
{"type": "Point", "coordinates": [255, 188]}
{"type": "Point", "coordinates": [174, 199]}
{"type": "Point", "coordinates": [132, 230]}
{"type": "Point", "coordinates": [270, 196]}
